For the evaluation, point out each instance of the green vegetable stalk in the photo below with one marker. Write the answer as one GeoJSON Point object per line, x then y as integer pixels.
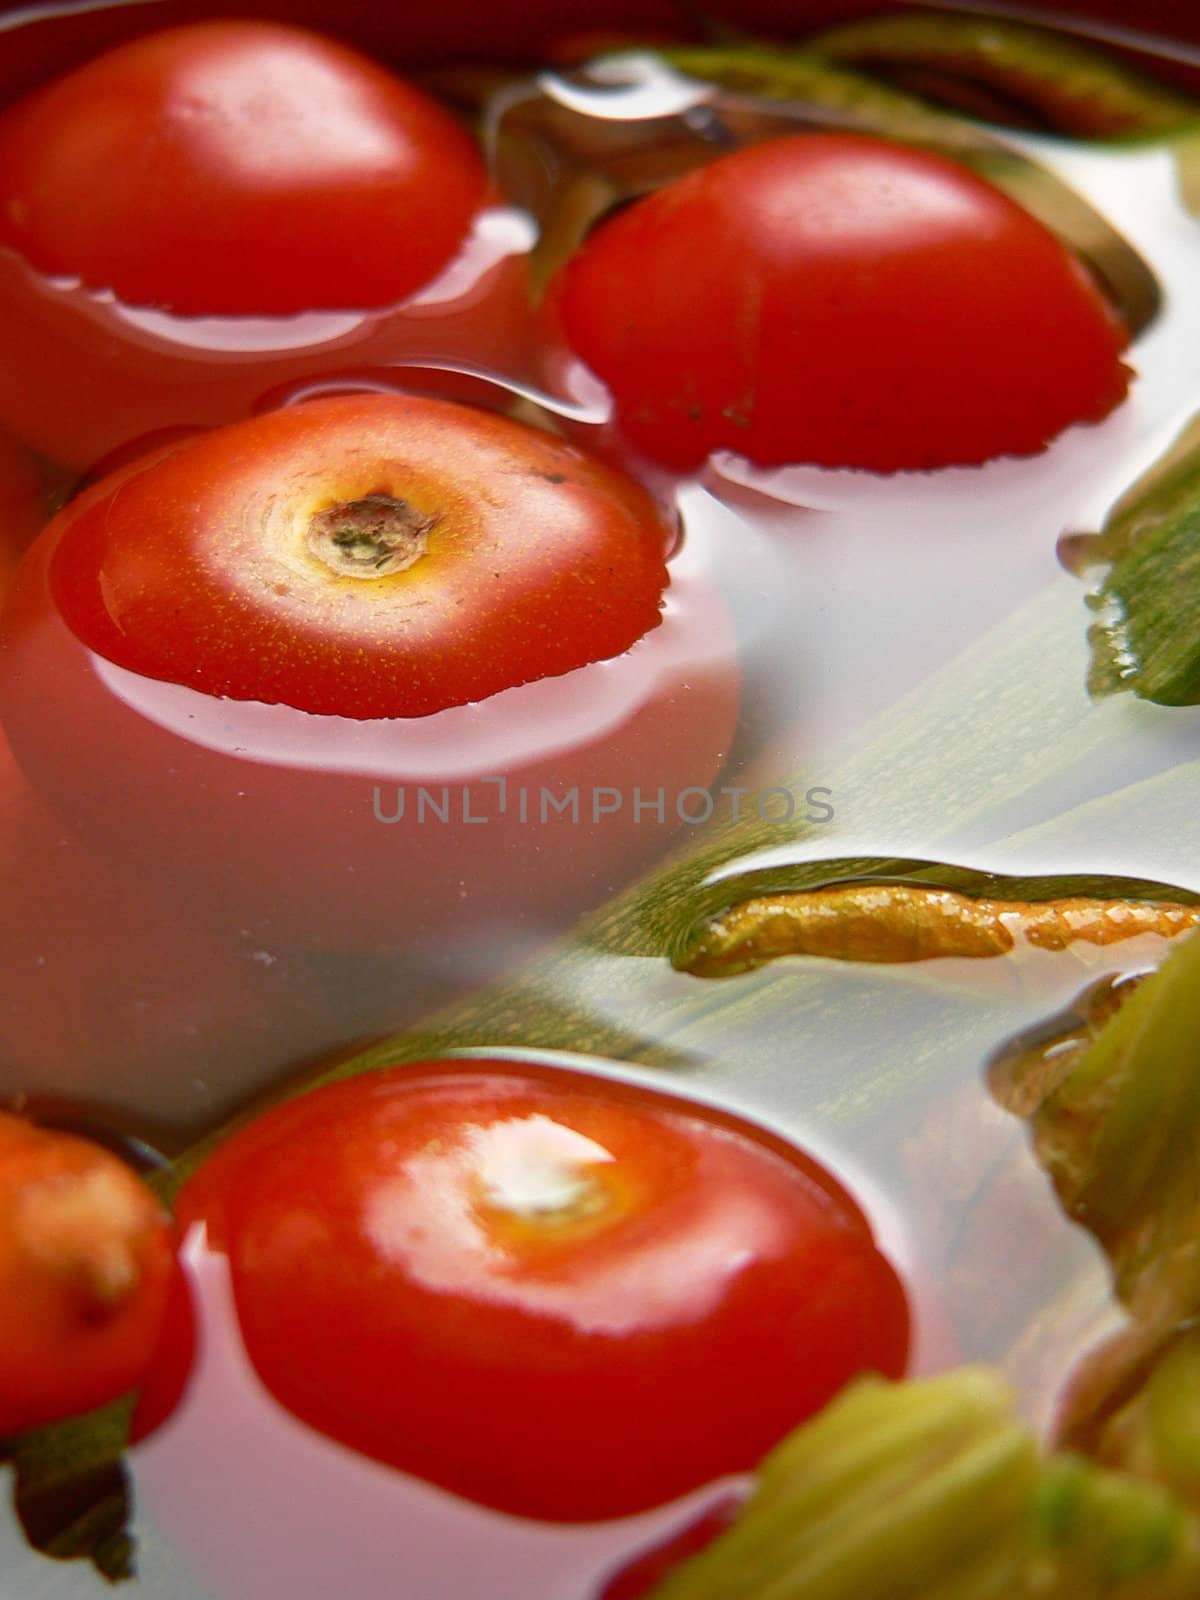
{"type": "Point", "coordinates": [1012, 72]}
{"type": "Point", "coordinates": [1119, 1136]}
{"type": "Point", "coordinates": [1115, 1117]}
{"type": "Point", "coordinates": [932, 1490]}
{"type": "Point", "coordinates": [1146, 637]}
{"type": "Point", "coordinates": [1156, 1433]}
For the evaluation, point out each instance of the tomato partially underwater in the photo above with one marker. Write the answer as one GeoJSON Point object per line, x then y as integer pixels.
{"type": "Point", "coordinates": [559, 1295]}
{"type": "Point", "coordinates": [234, 170]}
{"type": "Point", "coordinates": [364, 557]}
{"type": "Point", "coordinates": [369, 667]}
{"type": "Point", "coordinates": [258, 168]}
{"type": "Point", "coordinates": [841, 300]}
{"type": "Point", "coordinates": [111, 992]}
{"type": "Point", "coordinates": [85, 1262]}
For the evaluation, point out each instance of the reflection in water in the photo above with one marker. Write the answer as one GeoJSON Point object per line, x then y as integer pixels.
{"type": "Point", "coordinates": [848, 592]}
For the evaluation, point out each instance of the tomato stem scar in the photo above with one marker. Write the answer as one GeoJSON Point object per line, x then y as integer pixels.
{"type": "Point", "coordinates": [85, 1227]}
{"type": "Point", "coordinates": [369, 538]}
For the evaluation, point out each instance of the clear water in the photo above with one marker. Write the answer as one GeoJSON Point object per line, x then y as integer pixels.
{"type": "Point", "coordinates": [912, 646]}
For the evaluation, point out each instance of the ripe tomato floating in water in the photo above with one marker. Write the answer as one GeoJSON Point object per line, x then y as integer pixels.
{"type": "Point", "coordinates": [369, 668]}
{"type": "Point", "coordinates": [263, 170]}
{"type": "Point", "coordinates": [857, 304]}
{"type": "Point", "coordinates": [559, 1295]}
{"type": "Point", "coordinates": [314, 203]}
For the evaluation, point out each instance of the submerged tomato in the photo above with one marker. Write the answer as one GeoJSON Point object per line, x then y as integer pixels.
{"type": "Point", "coordinates": [85, 1261]}
{"type": "Point", "coordinates": [858, 304]}
{"type": "Point", "coordinates": [562, 1296]}
{"type": "Point", "coordinates": [233, 168]}
{"type": "Point", "coordinates": [247, 172]}
{"type": "Point", "coordinates": [368, 667]}
{"type": "Point", "coordinates": [111, 991]}
{"type": "Point", "coordinates": [369, 556]}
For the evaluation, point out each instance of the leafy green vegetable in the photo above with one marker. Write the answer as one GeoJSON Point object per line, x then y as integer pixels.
{"type": "Point", "coordinates": [71, 1490]}
{"type": "Point", "coordinates": [1113, 1100]}
{"type": "Point", "coordinates": [1147, 634]}
{"type": "Point", "coordinates": [932, 1490]}
{"type": "Point", "coordinates": [878, 920]}
{"type": "Point", "coordinates": [830, 93]}
{"type": "Point", "coordinates": [1012, 73]}
{"type": "Point", "coordinates": [1119, 1137]}
{"type": "Point", "coordinates": [1135, 1405]}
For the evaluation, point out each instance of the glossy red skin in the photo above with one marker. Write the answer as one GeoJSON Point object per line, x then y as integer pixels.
{"type": "Point", "coordinates": [540, 560]}
{"type": "Point", "coordinates": [861, 304]}
{"type": "Point", "coordinates": [267, 824]}
{"type": "Point", "coordinates": [168, 1372]}
{"type": "Point", "coordinates": [264, 171]}
{"type": "Point", "coordinates": [716, 1287]}
{"type": "Point", "coordinates": [62, 1351]}
{"type": "Point", "coordinates": [260, 169]}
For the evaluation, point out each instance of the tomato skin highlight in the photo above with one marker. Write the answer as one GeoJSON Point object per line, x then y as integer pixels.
{"type": "Point", "coordinates": [861, 305]}
{"type": "Point", "coordinates": [536, 559]}
{"type": "Point", "coordinates": [85, 1260]}
{"type": "Point", "coordinates": [263, 170]}
{"type": "Point", "coordinates": [565, 1298]}
{"type": "Point", "coordinates": [333, 215]}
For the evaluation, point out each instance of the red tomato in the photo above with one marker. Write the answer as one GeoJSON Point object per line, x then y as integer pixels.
{"type": "Point", "coordinates": [368, 556]}
{"type": "Point", "coordinates": [85, 1260]}
{"type": "Point", "coordinates": [837, 299]}
{"type": "Point", "coordinates": [210, 668]}
{"type": "Point", "coordinates": [237, 167]}
{"type": "Point", "coordinates": [244, 171]}
{"type": "Point", "coordinates": [165, 1380]}
{"type": "Point", "coordinates": [558, 1295]}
